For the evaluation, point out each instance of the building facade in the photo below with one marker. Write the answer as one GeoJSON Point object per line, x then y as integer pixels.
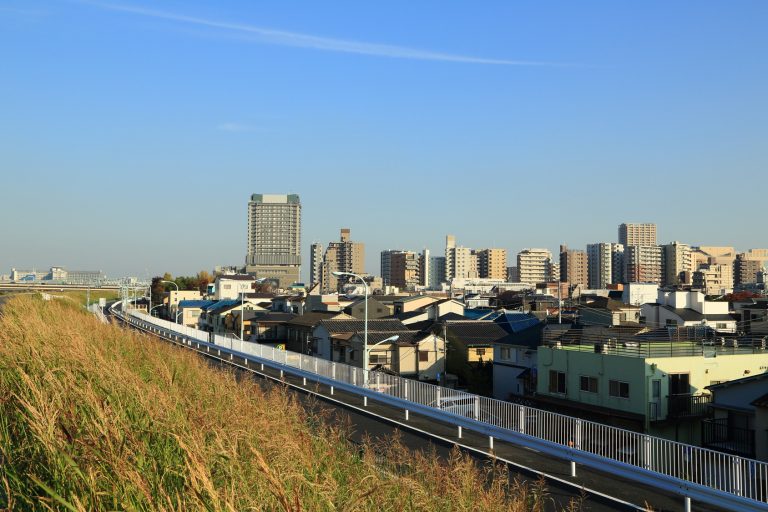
{"type": "Point", "coordinates": [643, 264]}
{"type": "Point", "coordinates": [637, 234]}
{"type": "Point", "coordinates": [274, 237]}
{"type": "Point", "coordinates": [605, 264]}
{"type": "Point", "coordinates": [492, 263]}
{"type": "Point", "coordinates": [573, 266]}
{"type": "Point", "coordinates": [534, 265]}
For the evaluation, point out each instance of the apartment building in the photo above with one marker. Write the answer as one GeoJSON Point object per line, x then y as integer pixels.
{"type": "Point", "coordinates": [404, 270]}
{"type": "Point", "coordinates": [713, 278]}
{"type": "Point", "coordinates": [342, 256]}
{"type": "Point", "coordinates": [637, 234]}
{"type": "Point", "coordinates": [492, 263]}
{"type": "Point", "coordinates": [678, 263]}
{"type": "Point", "coordinates": [643, 264]}
{"type": "Point", "coordinates": [315, 263]}
{"type": "Point", "coordinates": [274, 237]}
{"type": "Point", "coordinates": [534, 265]}
{"type": "Point", "coordinates": [605, 264]}
{"type": "Point", "coordinates": [746, 269]}
{"type": "Point", "coordinates": [574, 267]}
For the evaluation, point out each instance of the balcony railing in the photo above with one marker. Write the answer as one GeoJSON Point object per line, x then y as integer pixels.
{"type": "Point", "coordinates": [688, 406]}
{"type": "Point", "coordinates": [718, 435]}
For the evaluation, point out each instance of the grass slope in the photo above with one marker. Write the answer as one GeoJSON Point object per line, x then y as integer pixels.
{"type": "Point", "coordinates": [94, 417]}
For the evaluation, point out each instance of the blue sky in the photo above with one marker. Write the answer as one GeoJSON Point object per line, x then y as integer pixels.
{"type": "Point", "coordinates": [133, 133]}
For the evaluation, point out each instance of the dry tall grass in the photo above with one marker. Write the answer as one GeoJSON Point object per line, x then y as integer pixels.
{"type": "Point", "coordinates": [93, 417]}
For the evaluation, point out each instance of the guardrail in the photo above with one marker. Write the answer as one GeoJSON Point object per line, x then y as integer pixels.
{"type": "Point", "coordinates": [728, 481]}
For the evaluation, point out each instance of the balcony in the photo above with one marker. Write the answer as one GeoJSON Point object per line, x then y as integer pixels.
{"type": "Point", "coordinates": [718, 435]}
{"type": "Point", "coordinates": [688, 406]}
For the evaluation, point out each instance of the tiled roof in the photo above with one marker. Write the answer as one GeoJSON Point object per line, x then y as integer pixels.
{"type": "Point", "coordinates": [476, 332]}
{"type": "Point", "coordinates": [384, 325]}
{"type": "Point", "coordinates": [312, 319]}
{"type": "Point", "coordinates": [273, 317]}
{"type": "Point", "coordinates": [195, 303]}
{"type": "Point", "coordinates": [761, 402]}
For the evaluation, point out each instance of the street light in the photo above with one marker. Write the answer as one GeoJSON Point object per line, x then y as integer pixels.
{"type": "Point", "coordinates": [391, 339]}
{"type": "Point", "coordinates": [365, 323]}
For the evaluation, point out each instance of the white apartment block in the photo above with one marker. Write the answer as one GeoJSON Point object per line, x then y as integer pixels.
{"type": "Point", "coordinates": [643, 264]}
{"type": "Point", "coordinates": [605, 263]}
{"type": "Point", "coordinates": [535, 266]}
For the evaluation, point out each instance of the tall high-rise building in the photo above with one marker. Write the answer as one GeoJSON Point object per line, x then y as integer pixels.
{"type": "Point", "coordinates": [450, 246]}
{"type": "Point", "coordinates": [404, 271]}
{"type": "Point", "coordinates": [637, 234]}
{"type": "Point", "coordinates": [677, 263]}
{"type": "Point", "coordinates": [513, 275]}
{"type": "Point", "coordinates": [342, 256]}
{"type": "Point", "coordinates": [425, 267]}
{"type": "Point", "coordinates": [386, 265]}
{"type": "Point", "coordinates": [274, 237]}
{"type": "Point", "coordinates": [534, 265]}
{"type": "Point", "coordinates": [573, 266]}
{"type": "Point", "coordinates": [436, 272]}
{"type": "Point", "coordinates": [605, 263]}
{"type": "Point", "coordinates": [746, 270]}
{"type": "Point", "coordinates": [492, 263]}
{"type": "Point", "coordinates": [316, 263]}
{"type": "Point", "coordinates": [460, 262]}
{"type": "Point", "coordinates": [643, 264]}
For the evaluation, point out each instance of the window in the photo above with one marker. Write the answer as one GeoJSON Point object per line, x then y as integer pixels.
{"type": "Point", "coordinates": [556, 382]}
{"type": "Point", "coordinates": [671, 322]}
{"type": "Point", "coordinates": [377, 359]}
{"type": "Point", "coordinates": [423, 356]}
{"type": "Point", "coordinates": [505, 352]}
{"type": "Point", "coordinates": [480, 351]}
{"type": "Point", "coordinates": [618, 388]}
{"type": "Point", "coordinates": [588, 384]}
{"type": "Point", "coordinates": [721, 325]}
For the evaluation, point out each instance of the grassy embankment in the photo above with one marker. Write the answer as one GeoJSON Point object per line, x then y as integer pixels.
{"type": "Point", "coordinates": [93, 417]}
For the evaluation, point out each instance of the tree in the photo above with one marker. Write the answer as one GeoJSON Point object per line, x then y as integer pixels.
{"type": "Point", "coordinates": [203, 280]}
{"type": "Point", "coordinates": [157, 289]}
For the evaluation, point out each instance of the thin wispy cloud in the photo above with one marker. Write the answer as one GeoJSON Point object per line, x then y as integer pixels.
{"type": "Point", "coordinates": [301, 40]}
{"type": "Point", "coordinates": [235, 127]}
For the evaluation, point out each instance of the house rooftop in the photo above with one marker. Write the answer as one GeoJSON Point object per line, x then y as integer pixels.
{"type": "Point", "coordinates": [354, 325]}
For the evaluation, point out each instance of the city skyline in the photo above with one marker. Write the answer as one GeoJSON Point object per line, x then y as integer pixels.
{"type": "Point", "coordinates": [403, 135]}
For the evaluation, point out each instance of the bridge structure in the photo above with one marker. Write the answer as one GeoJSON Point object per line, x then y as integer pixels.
{"type": "Point", "coordinates": [693, 473]}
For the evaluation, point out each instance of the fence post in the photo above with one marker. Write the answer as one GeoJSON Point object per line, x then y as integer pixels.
{"type": "Point", "coordinates": [477, 407]}
{"type": "Point", "coordinates": [333, 371]}
{"type": "Point", "coordinates": [521, 423]}
{"type": "Point", "coordinates": [647, 452]}
{"type": "Point", "coordinates": [460, 432]}
{"type": "Point", "coordinates": [737, 476]}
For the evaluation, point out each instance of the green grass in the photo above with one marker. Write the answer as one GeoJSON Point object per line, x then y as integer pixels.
{"type": "Point", "coordinates": [95, 295]}
{"type": "Point", "coordinates": [94, 417]}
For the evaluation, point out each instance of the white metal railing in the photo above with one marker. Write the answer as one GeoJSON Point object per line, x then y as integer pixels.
{"type": "Point", "coordinates": [685, 465]}
{"type": "Point", "coordinates": [96, 310]}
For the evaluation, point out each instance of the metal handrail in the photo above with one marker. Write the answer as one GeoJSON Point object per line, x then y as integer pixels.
{"type": "Point", "coordinates": [686, 468]}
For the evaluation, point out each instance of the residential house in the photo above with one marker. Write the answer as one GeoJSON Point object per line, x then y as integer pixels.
{"type": "Point", "coordinates": [299, 329]}
{"type": "Point", "coordinates": [739, 424]}
{"type": "Point", "coordinates": [392, 346]}
{"type": "Point", "coordinates": [470, 350]}
{"type": "Point", "coordinates": [688, 309]}
{"type": "Point", "coordinates": [650, 381]}
{"type": "Point", "coordinates": [268, 327]}
{"type": "Point", "coordinates": [189, 311]}
{"type": "Point", "coordinates": [232, 285]}
{"type": "Point", "coordinates": [176, 296]}
{"type": "Point", "coordinates": [608, 312]}
{"type": "Point", "coordinates": [514, 355]}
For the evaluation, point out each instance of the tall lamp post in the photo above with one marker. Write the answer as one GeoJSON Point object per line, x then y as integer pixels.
{"type": "Point", "coordinates": [365, 323]}
{"type": "Point", "coordinates": [169, 296]}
